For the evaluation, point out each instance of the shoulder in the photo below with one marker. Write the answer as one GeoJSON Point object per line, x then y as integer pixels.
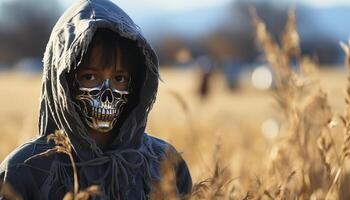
{"type": "Point", "coordinates": [21, 172]}
{"type": "Point", "coordinates": [158, 145]}
{"type": "Point", "coordinates": [170, 154]}
{"type": "Point", "coordinates": [22, 154]}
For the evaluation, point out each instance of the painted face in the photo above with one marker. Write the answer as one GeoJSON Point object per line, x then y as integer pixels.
{"type": "Point", "coordinates": [103, 86]}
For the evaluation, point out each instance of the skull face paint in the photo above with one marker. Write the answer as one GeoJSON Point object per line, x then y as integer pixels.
{"type": "Point", "coordinates": [102, 105]}
{"type": "Point", "coordinates": [102, 83]}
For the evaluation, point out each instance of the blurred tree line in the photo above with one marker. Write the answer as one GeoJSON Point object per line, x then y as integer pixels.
{"type": "Point", "coordinates": [235, 40]}
{"type": "Point", "coordinates": [25, 27]}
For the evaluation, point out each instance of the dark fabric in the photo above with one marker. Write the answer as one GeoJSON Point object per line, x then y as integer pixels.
{"type": "Point", "coordinates": [30, 179]}
{"type": "Point", "coordinates": [129, 166]}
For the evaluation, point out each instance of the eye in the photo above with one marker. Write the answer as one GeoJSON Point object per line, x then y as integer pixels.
{"type": "Point", "coordinates": [120, 79]}
{"type": "Point", "coordinates": [89, 77]}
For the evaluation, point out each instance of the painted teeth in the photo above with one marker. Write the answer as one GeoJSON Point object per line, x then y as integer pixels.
{"type": "Point", "coordinates": [103, 114]}
{"type": "Point", "coordinates": [109, 114]}
{"type": "Point", "coordinates": [100, 113]}
{"type": "Point", "coordinates": [94, 112]}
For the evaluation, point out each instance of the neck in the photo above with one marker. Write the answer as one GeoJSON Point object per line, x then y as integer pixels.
{"type": "Point", "coordinates": [101, 139]}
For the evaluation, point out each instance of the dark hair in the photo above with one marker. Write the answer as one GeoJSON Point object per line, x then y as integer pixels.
{"type": "Point", "coordinates": [111, 43]}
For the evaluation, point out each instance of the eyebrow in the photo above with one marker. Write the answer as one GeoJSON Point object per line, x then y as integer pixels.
{"type": "Point", "coordinates": [119, 71]}
{"type": "Point", "coordinates": [89, 68]}
{"type": "Point", "coordinates": [122, 71]}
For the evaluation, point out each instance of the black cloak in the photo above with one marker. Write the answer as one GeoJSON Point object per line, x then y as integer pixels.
{"type": "Point", "coordinates": [127, 169]}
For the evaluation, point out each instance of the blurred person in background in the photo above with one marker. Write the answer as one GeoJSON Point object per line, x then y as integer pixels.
{"type": "Point", "coordinates": [99, 83]}
{"type": "Point", "coordinates": [206, 66]}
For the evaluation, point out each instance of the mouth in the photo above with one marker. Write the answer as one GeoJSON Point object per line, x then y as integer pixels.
{"type": "Point", "coordinates": [103, 114]}
{"type": "Point", "coordinates": [103, 126]}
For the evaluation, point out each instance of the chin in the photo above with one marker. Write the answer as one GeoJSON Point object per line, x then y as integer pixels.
{"type": "Point", "coordinates": [101, 126]}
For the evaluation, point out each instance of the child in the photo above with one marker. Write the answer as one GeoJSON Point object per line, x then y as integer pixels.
{"type": "Point", "coordinates": [99, 83]}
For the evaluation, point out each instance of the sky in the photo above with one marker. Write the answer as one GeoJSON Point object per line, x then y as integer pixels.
{"type": "Point", "coordinates": [170, 14]}
{"type": "Point", "coordinates": [143, 6]}
{"type": "Point", "coordinates": [186, 5]}
{"type": "Point", "coordinates": [326, 3]}
{"type": "Point", "coordinates": [140, 8]}
{"type": "Point", "coordinates": [148, 13]}
{"type": "Point", "coordinates": [206, 13]}
{"type": "Point", "coordinates": [166, 5]}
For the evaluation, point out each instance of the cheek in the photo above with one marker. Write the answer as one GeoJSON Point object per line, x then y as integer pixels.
{"type": "Point", "coordinates": [89, 84]}
{"type": "Point", "coordinates": [123, 86]}
{"type": "Point", "coordinates": [88, 79]}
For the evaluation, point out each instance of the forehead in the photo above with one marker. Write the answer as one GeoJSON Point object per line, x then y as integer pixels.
{"type": "Point", "coordinates": [109, 52]}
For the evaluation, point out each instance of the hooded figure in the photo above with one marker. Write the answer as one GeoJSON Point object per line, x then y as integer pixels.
{"type": "Point", "coordinates": [87, 106]}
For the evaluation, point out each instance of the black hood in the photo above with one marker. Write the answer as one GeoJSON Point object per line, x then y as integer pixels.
{"type": "Point", "coordinates": [69, 41]}
{"type": "Point", "coordinates": [130, 165]}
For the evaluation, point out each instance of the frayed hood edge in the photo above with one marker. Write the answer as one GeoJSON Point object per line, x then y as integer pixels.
{"type": "Point", "coordinates": [71, 37]}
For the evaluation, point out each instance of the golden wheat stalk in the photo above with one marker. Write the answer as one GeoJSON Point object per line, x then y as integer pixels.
{"type": "Point", "coordinates": [290, 37]}
{"type": "Point", "coordinates": [166, 188]}
{"type": "Point", "coordinates": [306, 109]}
{"type": "Point", "coordinates": [346, 143]}
{"type": "Point", "coordinates": [63, 145]}
{"type": "Point", "coordinates": [273, 53]}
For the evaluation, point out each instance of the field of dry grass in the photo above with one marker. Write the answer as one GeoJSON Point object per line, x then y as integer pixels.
{"type": "Point", "coordinates": [222, 137]}
{"type": "Point", "coordinates": [231, 119]}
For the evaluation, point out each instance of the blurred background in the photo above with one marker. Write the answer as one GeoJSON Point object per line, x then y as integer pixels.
{"type": "Point", "coordinates": [215, 76]}
{"type": "Point", "coordinates": [185, 31]}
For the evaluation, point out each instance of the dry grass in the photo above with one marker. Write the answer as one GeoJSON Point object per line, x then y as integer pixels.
{"type": "Point", "coordinates": [63, 145]}
{"type": "Point", "coordinates": [222, 141]}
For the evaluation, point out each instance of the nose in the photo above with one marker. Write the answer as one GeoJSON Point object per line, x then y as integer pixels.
{"type": "Point", "coordinates": [107, 96]}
